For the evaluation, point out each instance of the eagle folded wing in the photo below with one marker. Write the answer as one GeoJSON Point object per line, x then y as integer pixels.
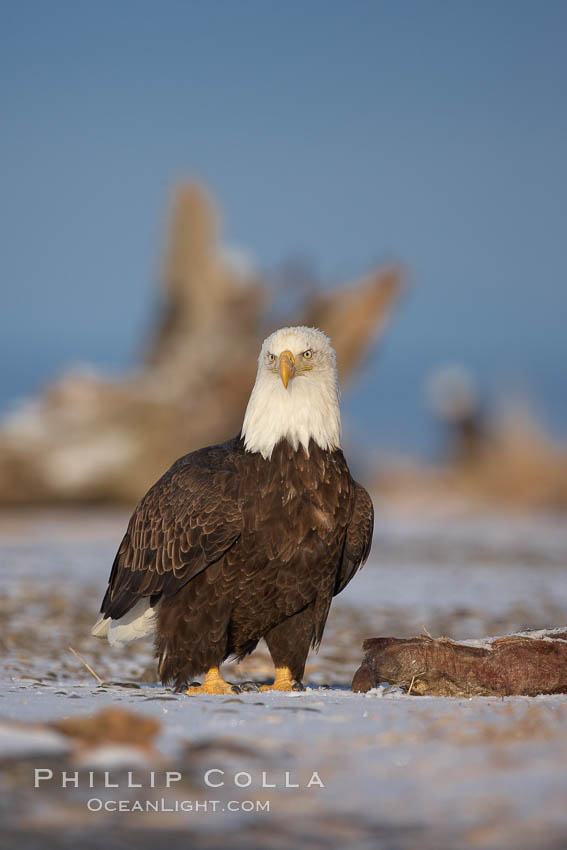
{"type": "Point", "coordinates": [358, 538]}
{"type": "Point", "coordinates": [185, 522]}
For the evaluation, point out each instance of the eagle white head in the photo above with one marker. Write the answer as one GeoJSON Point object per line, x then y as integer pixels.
{"type": "Point", "coordinates": [296, 393]}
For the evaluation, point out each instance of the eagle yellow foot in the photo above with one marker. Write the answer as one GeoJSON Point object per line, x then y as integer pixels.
{"type": "Point", "coordinates": [213, 684]}
{"type": "Point", "coordinates": [283, 682]}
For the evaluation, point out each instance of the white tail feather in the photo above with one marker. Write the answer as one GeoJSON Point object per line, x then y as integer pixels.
{"type": "Point", "coordinates": [100, 628]}
{"type": "Point", "coordinates": [139, 622]}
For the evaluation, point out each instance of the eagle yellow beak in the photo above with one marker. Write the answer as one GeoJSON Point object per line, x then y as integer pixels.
{"type": "Point", "coordinates": [287, 367]}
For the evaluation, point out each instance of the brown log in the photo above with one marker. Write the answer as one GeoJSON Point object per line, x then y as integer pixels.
{"type": "Point", "coordinates": [504, 666]}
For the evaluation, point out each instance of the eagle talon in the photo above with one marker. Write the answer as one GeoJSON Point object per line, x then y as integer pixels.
{"type": "Point", "coordinates": [284, 681]}
{"type": "Point", "coordinates": [213, 684]}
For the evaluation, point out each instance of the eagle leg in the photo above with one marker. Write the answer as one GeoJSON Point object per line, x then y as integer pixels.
{"type": "Point", "coordinates": [213, 684]}
{"type": "Point", "coordinates": [284, 681]}
{"type": "Point", "coordinates": [288, 643]}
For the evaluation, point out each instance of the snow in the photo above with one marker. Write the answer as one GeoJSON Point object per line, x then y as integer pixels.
{"type": "Point", "coordinates": [398, 771]}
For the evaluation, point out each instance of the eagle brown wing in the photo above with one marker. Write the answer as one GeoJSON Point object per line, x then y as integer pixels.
{"type": "Point", "coordinates": [184, 523]}
{"type": "Point", "coordinates": [358, 539]}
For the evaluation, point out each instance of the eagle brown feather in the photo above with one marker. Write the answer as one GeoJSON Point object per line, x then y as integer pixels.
{"type": "Point", "coordinates": [236, 547]}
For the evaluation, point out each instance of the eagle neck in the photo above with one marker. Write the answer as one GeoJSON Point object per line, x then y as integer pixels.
{"type": "Point", "coordinates": [302, 414]}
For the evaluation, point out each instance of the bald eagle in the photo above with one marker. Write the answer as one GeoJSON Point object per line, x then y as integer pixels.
{"type": "Point", "coordinates": [248, 539]}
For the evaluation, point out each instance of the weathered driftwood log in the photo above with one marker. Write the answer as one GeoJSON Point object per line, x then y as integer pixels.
{"type": "Point", "coordinates": [528, 663]}
{"type": "Point", "coordinates": [90, 438]}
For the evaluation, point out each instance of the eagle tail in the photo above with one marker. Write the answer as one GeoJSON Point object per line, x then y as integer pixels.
{"type": "Point", "coordinates": [138, 622]}
{"type": "Point", "coordinates": [100, 628]}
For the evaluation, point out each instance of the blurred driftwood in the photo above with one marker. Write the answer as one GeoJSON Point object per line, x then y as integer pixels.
{"type": "Point", "coordinates": [89, 438]}
{"type": "Point", "coordinates": [354, 316]}
{"type": "Point", "coordinates": [524, 664]}
{"type": "Point", "coordinates": [511, 464]}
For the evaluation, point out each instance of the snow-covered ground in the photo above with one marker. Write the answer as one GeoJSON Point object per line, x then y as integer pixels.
{"type": "Point", "coordinates": [398, 771]}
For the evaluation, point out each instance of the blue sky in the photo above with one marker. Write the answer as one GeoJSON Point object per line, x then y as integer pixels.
{"type": "Point", "coordinates": [433, 133]}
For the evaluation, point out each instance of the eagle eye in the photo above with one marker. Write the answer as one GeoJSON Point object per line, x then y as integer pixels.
{"type": "Point", "coordinates": [308, 354]}
{"type": "Point", "coordinates": [271, 358]}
